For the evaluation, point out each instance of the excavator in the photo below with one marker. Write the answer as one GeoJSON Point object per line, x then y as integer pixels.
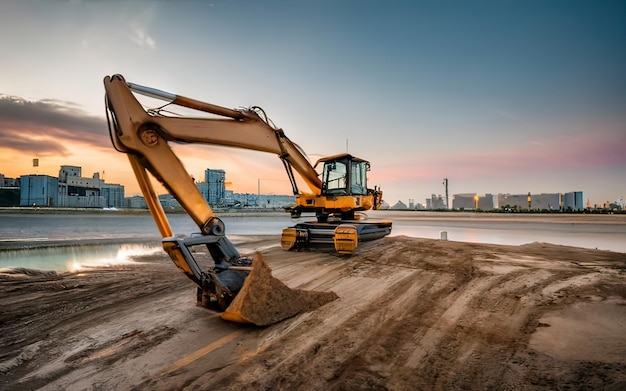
{"type": "Point", "coordinates": [336, 197]}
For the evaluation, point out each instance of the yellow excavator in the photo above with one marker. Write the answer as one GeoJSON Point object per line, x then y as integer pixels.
{"type": "Point", "coordinates": [336, 198]}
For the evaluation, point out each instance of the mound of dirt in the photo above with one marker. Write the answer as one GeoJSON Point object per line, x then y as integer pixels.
{"type": "Point", "coordinates": [265, 300]}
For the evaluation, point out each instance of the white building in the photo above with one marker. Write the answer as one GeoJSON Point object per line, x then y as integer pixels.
{"type": "Point", "coordinates": [74, 191]}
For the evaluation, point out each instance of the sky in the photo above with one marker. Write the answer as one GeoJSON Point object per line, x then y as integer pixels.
{"type": "Point", "coordinates": [499, 96]}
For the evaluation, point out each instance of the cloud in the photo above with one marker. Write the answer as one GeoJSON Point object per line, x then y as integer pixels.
{"type": "Point", "coordinates": [139, 36]}
{"type": "Point", "coordinates": [47, 126]}
{"type": "Point", "coordinates": [139, 30]}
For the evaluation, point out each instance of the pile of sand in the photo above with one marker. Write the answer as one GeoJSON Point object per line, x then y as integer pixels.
{"type": "Point", "coordinates": [265, 300]}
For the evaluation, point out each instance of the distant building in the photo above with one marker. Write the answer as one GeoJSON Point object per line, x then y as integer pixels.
{"type": "Point", "coordinates": [263, 201]}
{"type": "Point", "coordinates": [38, 190]}
{"type": "Point", "coordinates": [546, 201]}
{"type": "Point", "coordinates": [169, 203]}
{"type": "Point", "coordinates": [214, 187]}
{"type": "Point", "coordinates": [435, 202]}
{"type": "Point", "coordinates": [543, 201]}
{"type": "Point", "coordinates": [213, 190]}
{"type": "Point", "coordinates": [464, 201]}
{"type": "Point", "coordinates": [113, 195]}
{"type": "Point", "coordinates": [235, 200]}
{"type": "Point", "coordinates": [229, 198]}
{"type": "Point", "coordinates": [468, 201]}
{"type": "Point", "coordinates": [573, 201]}
{"type": "Point", "coordinates": [135, 202]}
{"type": "Point", "coordinates": [271, 201]}
{"type": "Point", "coordinates": [399, 205]}
{"type": "Point", "coordinates": [69, 190]}
{"type": "Point", "coordinates": [9, 191]}
{"type": "Point", "coordinates": [74, 191]}
{"type": "Point", "coordinates": [11, 183]}
{"type": "Point", "coordinates": [247, 200]}
{"type": "Point", "coordinates": [486, 202]}
{"type": "Point", "coordinates": [513, 201]}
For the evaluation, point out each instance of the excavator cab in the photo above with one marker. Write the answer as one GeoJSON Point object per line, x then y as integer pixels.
{"type": "Point", "coordinates": [344, 175]}
{"type": "Point", "coordinates": [343, 190]}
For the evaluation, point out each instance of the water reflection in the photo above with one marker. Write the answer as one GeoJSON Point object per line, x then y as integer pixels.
{"type": "Point", "coordinates": [75, 258]}
{"type": "Point", "coordinates": [592, 236]}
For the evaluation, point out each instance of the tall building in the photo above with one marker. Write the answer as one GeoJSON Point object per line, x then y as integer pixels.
{"type": "Point", "coordinates": [213, 188]}
{"type": "Point", "coordinates": [38, 190]}
{"type": "Point", "coordinates": [573, 201]}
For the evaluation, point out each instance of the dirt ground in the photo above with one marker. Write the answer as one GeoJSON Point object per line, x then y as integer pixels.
{"type": "Point", "coordinates": [412, 314]}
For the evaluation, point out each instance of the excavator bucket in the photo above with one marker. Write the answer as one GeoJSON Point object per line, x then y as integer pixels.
{"type": "Point", "coordinates": [264, 300]}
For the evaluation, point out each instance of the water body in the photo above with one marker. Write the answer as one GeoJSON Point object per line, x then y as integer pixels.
{"type": "Point", "coordinates": [75, 240]}
{"type": "Point", "coordinates": [75, 258]}
{"type": "Point", "coordinates": [610, 237]}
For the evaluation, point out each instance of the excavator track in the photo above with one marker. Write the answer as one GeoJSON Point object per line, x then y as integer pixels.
{"type": "Point", "coordinates": [343, 236]}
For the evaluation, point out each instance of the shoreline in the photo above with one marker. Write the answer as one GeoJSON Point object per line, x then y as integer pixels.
{"type": "Point", "coordinates": [281, 212]}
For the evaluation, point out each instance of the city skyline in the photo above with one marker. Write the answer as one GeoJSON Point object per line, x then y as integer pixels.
{"type": "Point", "coordinates": [442, 199]}
{"type": "Point", "coordinates": [527, 97]}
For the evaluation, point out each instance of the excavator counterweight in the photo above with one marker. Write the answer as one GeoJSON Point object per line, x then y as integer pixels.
{"type": "Point", "coordinates": [241, 287]}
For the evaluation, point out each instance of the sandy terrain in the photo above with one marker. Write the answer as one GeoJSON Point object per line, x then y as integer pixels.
{"type": "Point", "coordinates": [412, 314]}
